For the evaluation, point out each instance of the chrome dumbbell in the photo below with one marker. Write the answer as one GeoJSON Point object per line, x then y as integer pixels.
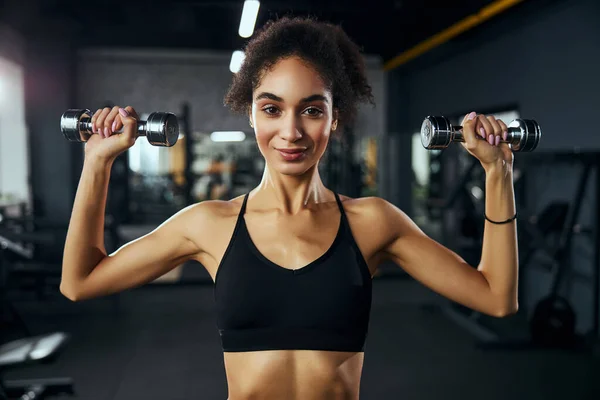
{"type": "Point", "coordinates": [437, 133]}
{"type": "Point", "coordinates": [161, 128]}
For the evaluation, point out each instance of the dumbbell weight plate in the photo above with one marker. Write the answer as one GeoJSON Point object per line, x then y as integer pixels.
{"type": "Point", "coordinates": [69, 125]}
{"type": "Point", "coordinates": [530, 134]}
{"type": "Point", "coordinates": [162, 129]}
{"type": "Point", "coordinates": [436, 132]}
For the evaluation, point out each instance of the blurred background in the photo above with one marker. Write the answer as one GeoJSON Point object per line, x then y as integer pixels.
{"type": "Point", "coordinates": [534, 59]}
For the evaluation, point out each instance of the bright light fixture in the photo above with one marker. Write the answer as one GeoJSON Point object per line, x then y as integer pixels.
{"type": "Point", "coordinates": [237, 58]}
{"type": "Point", "coordinates": [249, 15]}
{"type": "Point", "coordinates": [227, 136]}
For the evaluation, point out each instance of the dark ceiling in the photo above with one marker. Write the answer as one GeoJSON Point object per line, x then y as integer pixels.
{"type": "Point", "coordinates": [383, 27]}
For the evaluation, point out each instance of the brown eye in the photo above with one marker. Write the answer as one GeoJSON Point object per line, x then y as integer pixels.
{"type": "Point", "coordinates": [313, 112]}
{"type": "Point", "coordinates": [271, 110]}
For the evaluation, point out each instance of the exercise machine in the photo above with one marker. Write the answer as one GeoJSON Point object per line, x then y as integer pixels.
{"type": "Point", "coordinates": [27, 350]}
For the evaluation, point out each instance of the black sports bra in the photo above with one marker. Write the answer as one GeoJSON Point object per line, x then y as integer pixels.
{"type": "Point", "coordinates": [324, 305]}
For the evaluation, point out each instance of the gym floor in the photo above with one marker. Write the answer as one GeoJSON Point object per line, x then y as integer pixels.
{"type": "Point", "coordinates": [161, 342]}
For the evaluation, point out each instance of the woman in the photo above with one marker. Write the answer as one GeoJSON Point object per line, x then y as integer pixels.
{"type": "Point", "coordinates": [292, 261]}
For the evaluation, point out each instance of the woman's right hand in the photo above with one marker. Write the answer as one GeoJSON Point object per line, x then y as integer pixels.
{"type": "Point", "coordinates": [104, 144]}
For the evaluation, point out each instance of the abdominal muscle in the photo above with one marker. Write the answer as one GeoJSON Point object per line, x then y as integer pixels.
{"type": "Point", "coordinates": [293, 375]}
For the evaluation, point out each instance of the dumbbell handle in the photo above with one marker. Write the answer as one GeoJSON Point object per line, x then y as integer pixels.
{"type": "Point", "coordinates": [86, 123]}
{"type": "Point", "coordinates": [458, 135]}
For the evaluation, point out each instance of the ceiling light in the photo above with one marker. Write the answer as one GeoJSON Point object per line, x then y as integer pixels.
{"type": "Point", "coordinates": [249, 15]}
{"type": "Point", "coordinates": [227, 136]}
{"type": "Point", "coordinates": [237, 58]}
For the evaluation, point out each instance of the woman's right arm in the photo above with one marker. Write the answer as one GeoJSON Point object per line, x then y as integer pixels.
{"type": "Point", "coordinates": [87, 270]}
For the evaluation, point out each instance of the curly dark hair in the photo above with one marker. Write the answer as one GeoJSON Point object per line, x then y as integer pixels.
{"type": "Point", "coordinates": [324, 46]}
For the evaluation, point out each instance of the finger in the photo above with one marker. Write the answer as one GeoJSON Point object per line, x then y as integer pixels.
{"type": "Point", "coordinates": [109, 121]}
{"type": "Point", "coordinates": [480, 129]}
{"type": "Point", "coordinates": [100, 120]}
{"type": "Point", "coordinates": [469, 130]}
{"type": "Point", "coordinates": [118, 124]}
{"type": "Point", "coordinates": [466, 118]}
{"type": "Point", "coordinates": [507, 151]}
{"type": "Point", "coordinates": [119, 121]}
{"type": "Point", "coordinates": [94, 118]}
{"type": "Point", "coordinates": [497, 129]}
{"type": "Point", "coordinates": [485, 129]}
{"type": "Point", "coordinates": [504, 129]}
{"type": "Point", "coordinates": [132, 112]}
{"type": "Point", "coordinates": [495, 125]}
{"type": "Point", "coordinates": [129, 125]}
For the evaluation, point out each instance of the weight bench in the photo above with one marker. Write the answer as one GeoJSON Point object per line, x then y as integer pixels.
{"type": "Point", "coordinates": [24, 352]}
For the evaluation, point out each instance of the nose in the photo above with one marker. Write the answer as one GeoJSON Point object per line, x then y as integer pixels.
{"type": "Point", "coordinates": [291, 129]}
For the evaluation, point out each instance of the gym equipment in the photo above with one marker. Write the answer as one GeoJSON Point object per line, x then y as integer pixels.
{"type": "Point", "coordinates": [29, 349]}
{"type": "Point", "coordinates": [343, 172]}
{"type": "Point", "coordinates": [33, 350]}
{"type": "Point", "coordinates": [33, 255]}
{"type": "Point", "coordinates": [437, 133]}
{"type": "Point", "coordinates": [8, 314]}
{"type": "Point", "coordinates": [161, 128]}
{"type": "Point", "coordinates": [190, 177]}
{"type": "Point", "coordinates": [553, 320]}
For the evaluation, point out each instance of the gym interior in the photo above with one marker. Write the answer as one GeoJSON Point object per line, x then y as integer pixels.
{"type": "Point", "coordinates": [535, 60]}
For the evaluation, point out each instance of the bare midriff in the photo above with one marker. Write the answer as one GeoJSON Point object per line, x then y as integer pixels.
{"type": "Point", "coordinates": [293, 375]}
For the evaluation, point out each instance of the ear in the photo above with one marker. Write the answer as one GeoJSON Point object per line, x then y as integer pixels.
{"type": "Point", "coordinates": [334, 122]}
{"type": "Point", "coordinates": [250, 117]}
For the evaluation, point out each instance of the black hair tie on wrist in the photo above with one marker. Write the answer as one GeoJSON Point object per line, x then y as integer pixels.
{"type": "Point", "coordinates": [501, 222]}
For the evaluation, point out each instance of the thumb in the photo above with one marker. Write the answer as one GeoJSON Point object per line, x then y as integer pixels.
{"type": "Point", "coordinates": [507, 151]}
{"type": "Point", "coordinates": [468, 126]}
{"type": "Point", "coordinates": [129, 125]}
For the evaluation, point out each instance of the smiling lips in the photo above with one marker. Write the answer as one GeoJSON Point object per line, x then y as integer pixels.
{"type": "Point", "coordinates": [292, 154]}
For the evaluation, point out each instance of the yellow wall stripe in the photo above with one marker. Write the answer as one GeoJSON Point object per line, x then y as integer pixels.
{"type": "Point", "coordinates": [461, 26]}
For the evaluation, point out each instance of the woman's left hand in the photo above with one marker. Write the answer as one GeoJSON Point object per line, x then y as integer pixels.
{"type": "Point", "coordinates": [490, 152]}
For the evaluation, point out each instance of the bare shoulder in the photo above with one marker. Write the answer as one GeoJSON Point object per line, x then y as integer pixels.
{"type": "Point", "coordinates": [215, 209]}
{"type": "Point", "coordinates": [367, 207]}
{"type": "Point", "coordinates": [203, 221]}
{"type": "Point", "coordinates": [377, 214]}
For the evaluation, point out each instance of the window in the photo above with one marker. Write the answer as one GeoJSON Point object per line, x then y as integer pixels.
{"type": "Point", "coordinates": [14, 155]}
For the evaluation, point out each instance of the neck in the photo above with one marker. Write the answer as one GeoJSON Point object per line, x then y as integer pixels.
{"type": "Point", "coordinates": [291, 194]}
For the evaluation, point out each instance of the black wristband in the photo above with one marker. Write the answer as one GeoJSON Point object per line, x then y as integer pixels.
{"type": "Point", "coordinates": [501, 222]}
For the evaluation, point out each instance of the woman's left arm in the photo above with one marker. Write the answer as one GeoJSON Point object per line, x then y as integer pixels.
{"type": "Point", "coordinates": [499, 262]}
{"type": "Point", "coordinates": [491, 288]}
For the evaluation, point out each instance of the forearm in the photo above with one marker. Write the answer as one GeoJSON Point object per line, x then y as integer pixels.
{"type": "Point", "coordinates": [84, 245]}
{"type": "Point", "coordinates": [499, 259]}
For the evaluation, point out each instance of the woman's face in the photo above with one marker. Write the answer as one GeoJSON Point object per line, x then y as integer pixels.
{"type": "Point", "coordinates": [292, 115]}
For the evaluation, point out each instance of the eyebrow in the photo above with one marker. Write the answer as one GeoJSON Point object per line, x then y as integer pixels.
{"type": "Point", "coordinates": [271, 96]}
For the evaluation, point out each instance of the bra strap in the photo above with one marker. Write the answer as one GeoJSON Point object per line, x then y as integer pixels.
{"type": "Point", "coordinates": [243, 209]}
{"type": "Point", "coordinates": [339, 202]}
